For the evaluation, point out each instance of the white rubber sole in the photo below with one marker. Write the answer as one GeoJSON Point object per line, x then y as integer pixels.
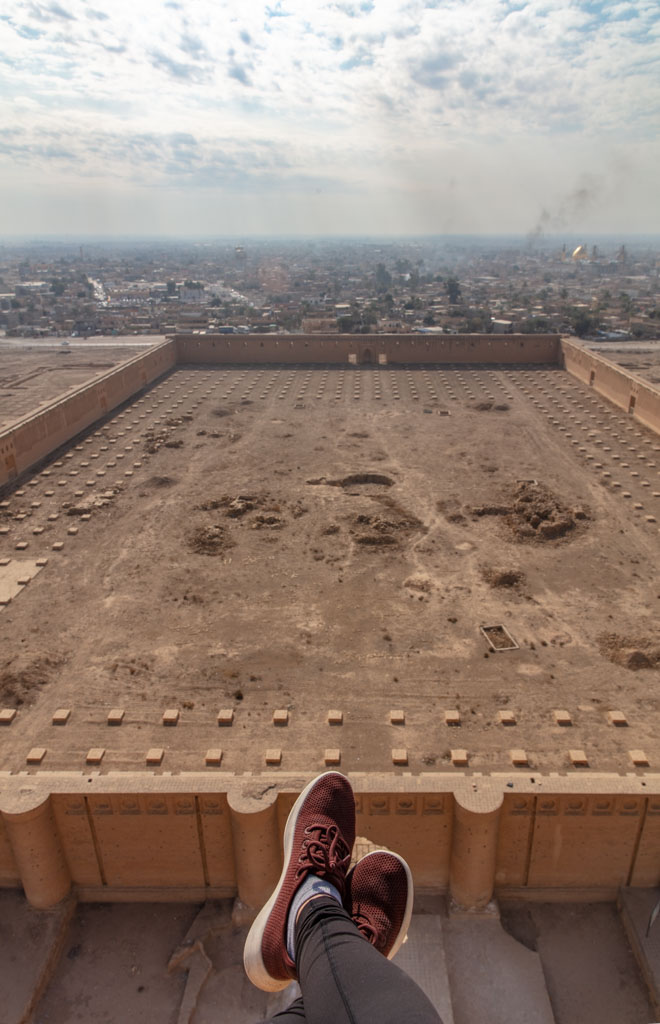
{"type": "Point", "coordinates": [252, 955]}
{"type": "Point", "coordinates": [405, 924]}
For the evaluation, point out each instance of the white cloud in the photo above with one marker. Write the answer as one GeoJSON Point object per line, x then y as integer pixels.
{"type": "Point", "coordinates": [380, 103]}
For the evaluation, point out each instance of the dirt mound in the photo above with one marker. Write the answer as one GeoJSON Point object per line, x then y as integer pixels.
{"type": "Point", "coordinates": [386, 528]}
{"type": "Point", "coordinates": [419, 583]}
{"type": "Point", "coordinates": [491, 406]}
{"type": "Point", "coordinates": [377, 539]}
{"type": "Point", "coordinates": [155, 438]}
{"type": "Point", "coordinates": [220, 412]}
{"type": "Point", "coordinates": [210, 540]}
{"type": "Point", "coordinates": [90, 505]}
{"type": "Point", "coordinates": [18, 682]}
{"type": "Point", "coordinates": [535, 513]}
{"type": "Point", "coordinates": [269, 512]}
{"type": "Point", "coordinates": [633, 652]}
{"type": "Point", "coordinates": [503, 577]}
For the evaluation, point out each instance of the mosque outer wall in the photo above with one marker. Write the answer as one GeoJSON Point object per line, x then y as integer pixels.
{"type": "Point", "coordinates": [25, 443]}
{"type": "Point", "coordinates": [397, 348]}
{"type": "Point", "coordinates": [33, 438]}
{"type": "Point", "coordinates": [613, 383]}
{"type": "Point", "coordinates": [132, 836]}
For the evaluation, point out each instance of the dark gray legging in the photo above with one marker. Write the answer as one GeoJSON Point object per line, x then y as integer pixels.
{"type": "Point", "coordinates": [345, 980]}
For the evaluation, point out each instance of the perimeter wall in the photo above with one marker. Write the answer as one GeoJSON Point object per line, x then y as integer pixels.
{"type": "Point", "coordinates": [32, 438]}
{"type": "Point", "coordinates": [130, 836]}
{"type": "Point", "coordinates": [367, 348]}
{"type": "Point", "coordinates": [631, 393]}
{"type": "Point", "coordinates": [29, 440]}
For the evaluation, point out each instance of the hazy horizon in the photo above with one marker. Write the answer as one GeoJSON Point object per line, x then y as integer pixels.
{"type": "Point", "coordinates": [336, 118]}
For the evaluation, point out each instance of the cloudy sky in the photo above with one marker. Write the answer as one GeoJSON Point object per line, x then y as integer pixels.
{"type": "Point", "coordinates": [346, 117]}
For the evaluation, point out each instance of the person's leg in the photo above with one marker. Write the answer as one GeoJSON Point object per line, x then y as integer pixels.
{"type": "Point", "coordinates": [301, 934]}
{"type": "Point", "coordinates": [294, 1014]}
{"type": "Point", "coordinates": [345, 980]}
{"type": "Point", "coordinates": [378, 900]}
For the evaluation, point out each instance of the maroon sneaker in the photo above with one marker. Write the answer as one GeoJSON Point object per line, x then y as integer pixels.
{"type": "Point", "coordinates": [379, 898]}
{"type": "Point", "coordinates": [318, 840]}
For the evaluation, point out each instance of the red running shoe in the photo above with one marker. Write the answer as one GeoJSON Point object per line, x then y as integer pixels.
{"type": "Point", "coordinates": [318, 840]}
{"type": "Point", "coordinates": [379, 898]}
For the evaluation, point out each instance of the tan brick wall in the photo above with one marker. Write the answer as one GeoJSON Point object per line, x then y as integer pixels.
{"type": "Point", "coordinates": [614, 383]}
{"type": "Point", "coordinates": [141, 837]}
{"type": "Point", "coordinates": [398, 348]}
{"type": "Point", "coordinates": [31, 439]}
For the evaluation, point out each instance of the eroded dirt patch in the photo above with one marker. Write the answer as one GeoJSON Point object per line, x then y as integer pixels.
{"type": "Point", "coordinates": [354, 480]}
{"type": "Point", "coordinates": [388, 525]}
{"type": "Point", "coordinates": [534, 513]}
{"type": "Point", "coordinates": [634, 652]}
{"type": "Point", "coordinates": [502, 577]}
{"type": "Point", "coordinates": [210, 540]}
{"type": "Point", "coordinates": [491, 406]}
{"type": "Point", "coordinates": [19, 680]}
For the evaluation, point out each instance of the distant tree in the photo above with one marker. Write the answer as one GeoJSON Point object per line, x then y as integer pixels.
{"type": "Point", "coordinates": [453, 289]}
{"type": "Point", "coordinates": [171, 287]}
{"type": "Point", "coordinates": [582, 323]}
{"type": "Point", "coordinates": [383, 278]}
{"type": "Point", "coordinates": [625, 302]}
{"type": "Point", "coordinates": [429, 320]}
{"type": "Point", "coordinates": [57, 286]}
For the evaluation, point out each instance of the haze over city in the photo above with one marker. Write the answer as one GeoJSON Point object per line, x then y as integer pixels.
{"type": "Point", "coordinates": [329, 118]}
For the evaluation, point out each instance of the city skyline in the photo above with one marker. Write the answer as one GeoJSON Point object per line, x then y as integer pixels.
{"type": "Point", "coordinates": [376, 118]}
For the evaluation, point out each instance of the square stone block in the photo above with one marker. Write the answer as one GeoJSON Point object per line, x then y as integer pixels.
{"type": "Point", "coordinates": [562, 717]}
{"type": "Point", "coordinates": [578, 758]}
{"type": "Point", "coordinates": [61, 716]}
{"type": "Point", "coordinates": [72, 531]}
{"type": "Point", "coordinates": [225, 716]}
{"type": "Point", "coordinates": [273, 755]}
{"type": "Point", "coordinates": [116, 716]}
{"type": "Point", "coordinates": [507, 718]}
{"type": "Point", "coordinates": [459, 758]}
{"type": "Point", "coordinates": [170, 717]}
{"type": "Point", "coordinates": [397, 717]}
{"type": "Point", "coordinates": [213, 756]}
{"type": "Point", "coordinates": [452, 717]}
{"type": "Point", "coordinates": [41, 562]}
{"type": "Point", "coordinates": [155, 755]}
{"type": "Point", "coordinates": [399, 755]}
{"type": "Point", "coordinates": [95, 755]}
{"type": "Point", "coordinates": [58, 545]}
{"type": "Point", "coordinates": [332, 755]}
{"type": "Point", "coordinates": [7, 716]}
{"type": "Point", "coordinates": [519, 757]}
{"type": "Point", "coordinates": [617, 718]}
{"type": "Point", "coordinates": [21, 546]}
{"type": "Point", "coordinates": [281, 717]}
{"type": "Point", "coordinates": [335, 717]}
{"type": "Point", "coordinates": [638, 758]}
{"type": "Point", "coordinates": [36, 755]}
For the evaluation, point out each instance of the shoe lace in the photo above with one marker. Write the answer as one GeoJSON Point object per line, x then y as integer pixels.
{"type": "Point", "coordinates": [325, 853]}
{"type": "Point", "coordinates": [368, 929]}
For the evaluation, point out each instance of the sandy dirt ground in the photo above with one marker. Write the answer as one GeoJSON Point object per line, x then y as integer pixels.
{"type": "Point", "coordinates": [37, 371]}
{"type": "Point", "coordinates": [312, 538]}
